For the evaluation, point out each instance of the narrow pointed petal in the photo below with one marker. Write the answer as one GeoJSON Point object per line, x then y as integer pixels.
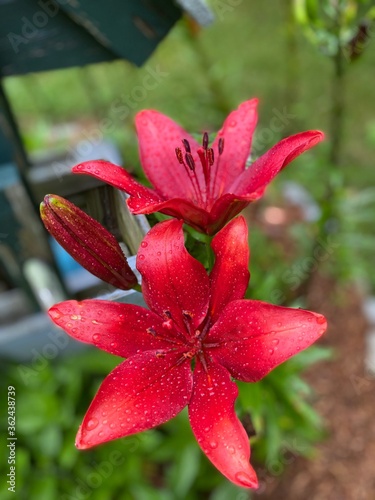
{"type": "Point", "coordinates": [177, 207]}
{"type": "Point", "coordinates": [172, 280]}
{"type": "Point", "coordinates": [119, 178]}
{"type": "Point", "coordinates": [144, 391]}
{"type": "Point", "coordinates": [121, 329]}
{"type": "Point", "coordinates": [158, 137]}
{"type": "Point", "coordinates": [265, 168]}
{"type": "Point", "coordinates": [237, 132]}
{"type": "Point", "coordinates": [225, 208]}
{"type": "Point", "coordinates": [87, 241]}
{"type": "Point", "coordinates": [216, 426]}
{"type": "Point", "coordinates": [230, 275]}
{"type": "Point", "coordinates": [254, 337]}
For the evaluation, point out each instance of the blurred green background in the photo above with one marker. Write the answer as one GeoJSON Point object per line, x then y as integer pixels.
{"type": "Point", "coordinates": [253, 49]}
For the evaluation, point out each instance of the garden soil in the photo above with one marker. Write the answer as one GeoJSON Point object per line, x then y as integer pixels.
{"type": "Point", "coordinates": [344, 464]}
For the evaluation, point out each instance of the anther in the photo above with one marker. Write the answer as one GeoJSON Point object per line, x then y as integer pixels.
{"type": "Point", "coordinates": [186, 144]}
{"type": "Point", "coordinates": [221, 145]}
{"type": "Point", "coordinates": [188, 315]}
{"type": "Point", "coordinates": [152, 331]}
{"type": "Point", "coordinates": [180, 158]}
{"type": "Point", "coordinates": [205, 141]}
{"type": "Point", "coordinates": [211, 156]}
{"type": "Point", "coordinates": [190, 161]}
{"type": "Point", "coordinates": [167, 314]}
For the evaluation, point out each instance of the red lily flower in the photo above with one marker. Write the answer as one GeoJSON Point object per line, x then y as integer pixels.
{"type": "Point", "coordinates": [192, 315]}
{"type": "Point", "coordinates": [205, 186]}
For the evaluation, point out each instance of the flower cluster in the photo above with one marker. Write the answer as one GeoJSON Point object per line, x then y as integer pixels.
{"type": "Point", "coordinates": [198, 332]}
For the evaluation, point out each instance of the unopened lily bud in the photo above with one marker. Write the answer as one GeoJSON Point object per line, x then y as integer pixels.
{"type": "Point", "coordinates": [87, 241]}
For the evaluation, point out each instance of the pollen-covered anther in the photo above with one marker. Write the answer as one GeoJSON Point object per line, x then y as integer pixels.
{"type": "Point", "coordinates": [188, 314]}
{"type": "Point", "coordinates": [205, 141]}
{"type": "Point", "coordinates": [190, 161]}
{"type": "Point", "coordinates": [187, 317]}
{"type": "Point", "coordinates": [186, 144]}
{"type": "Point", "coordinates": [221, 145]}
{"type": "Point", "coordinates": [179, 156]}
{"type": "Point", "coordinates": [210, 156]}
{"type": "Point", "coordinates": [168, 323]}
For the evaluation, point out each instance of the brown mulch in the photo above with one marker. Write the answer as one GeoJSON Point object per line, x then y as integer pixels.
{"type": "Point", "coordinates": [344, 465]}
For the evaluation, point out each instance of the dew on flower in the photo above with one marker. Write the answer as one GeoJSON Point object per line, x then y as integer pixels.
{"type": "Point", "coordinates": [92, 423]}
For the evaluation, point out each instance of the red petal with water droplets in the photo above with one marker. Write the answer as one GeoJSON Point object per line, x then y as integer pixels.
{"type": "Point", "coordinates": [172, 280]}
{"type": "Point", "coordinates": [265, 168]}
{"type": "Point", "coordinates": [120, 329]}
{"type": "Point", "coordinates": [254, 337]}
{"type": "Point", "coordinates": [159, 136]}
{"type": "Point", "coordinates": [230, 275]}
{"type": "Point", "coordinates": [237, 132]}
{"type": "Point", "coordinates": [117, 177]}
{"type": "Point", "coordinates": [219, 432]}
{"type": "Point", "coordinates": [144, 391]}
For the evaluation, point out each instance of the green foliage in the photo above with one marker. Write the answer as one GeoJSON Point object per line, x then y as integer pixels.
{"type": "Point", "coordinates": [331, 25]}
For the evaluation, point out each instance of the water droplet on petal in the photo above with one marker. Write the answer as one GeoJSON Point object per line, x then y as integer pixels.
{"type": "Point", "coordinates": [231, 450]}
{"type": "Point", "coordinates": [275, 341]}
{"type": "Point", "coordinates": [213, 444]}
{"type": "Point", "coordinates": [141, 257]}
{"type": "Point", "coordinates": [320, 320]}
{"type": "Point", "coordinates": [144, 244]}
{"type": "Point", "coordinates": [96, 337]}
{"type": "Point", "coordinates": [92, 423]}
{"type": "Point", "coordinates": [233, 123]}
{"type": "Point", "coordinates": [271, 351]}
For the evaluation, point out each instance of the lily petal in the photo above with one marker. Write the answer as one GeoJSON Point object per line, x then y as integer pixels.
{"type": "Point", "coordinates": [174, 284]}
{"type": "Point", "coordinates": [230, 275]}
{"type": "Point", "coordinates": [253, 337]}
{"type": "Point", "coordinates": [144, 391]}
{"type": "Point", "coordinates": [159, 136]}
{"type": "Point", "coordinates": [121, 329]}
{"type": "Point", "coordinates": [117, 177]}
{"type": "Point", "coordinates": [177, 207]}
{"type": "Point", "coordinates": [237, 132]}
{"type": "Point", "coordinates": [214, 422]}
{"type": "Point", "coordinates": [265, 168]}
